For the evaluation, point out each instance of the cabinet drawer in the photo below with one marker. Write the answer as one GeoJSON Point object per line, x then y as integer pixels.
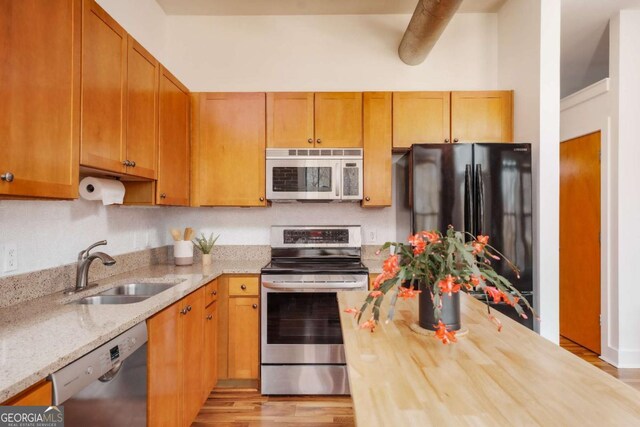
{"type": "Point", "coordinates": [211, 292]}
{"type": "Point", "coordinates": [240, 286]}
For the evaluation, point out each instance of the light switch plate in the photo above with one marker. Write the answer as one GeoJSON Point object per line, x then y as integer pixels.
{"type": "Point", "coordinates": [10, 257]}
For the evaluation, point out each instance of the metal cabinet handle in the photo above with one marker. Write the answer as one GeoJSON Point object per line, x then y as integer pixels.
{"type": "Point", "coordinates": [262, 199]}
{"type": "Point", "coordinates": [456, 140]}
{"type": "Point", "coordinates": [7, 177]}
{"type": "Point", "coordinates": [310, 140]}
{"type": "Point", "coordinates": [319, 141]}
{"type": "Point", "coordinates": [209, 317]}
{"type": "Point", "coordinates": [188, 308]}
{"type": "Point", "coordinates": [446, 140]}
{"type": "Point", "coordinates": [255, 306]}
{"type": "Point", "coordinates": [126, 163]}
{"type": "Point", "coordinates": [184, 311]}
{"type": "Point", "coordinates": [368, 199]}
{"type": "Point", "coordinates": [243, 287]}
{"type": "Point", "coordinates": [133, 164]}
{"type": "Point", "coordinates": [214, 292]}
{"type": "Point", "coordinates": [163, 195]}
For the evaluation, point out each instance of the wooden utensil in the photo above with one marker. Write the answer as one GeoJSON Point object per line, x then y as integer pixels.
{"type": "Point", "coordinates": [188, 233]}
{"type": "Point", "coordinates": [175, 233]}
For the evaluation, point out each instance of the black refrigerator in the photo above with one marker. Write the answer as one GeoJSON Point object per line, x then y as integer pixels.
{"type": "Point", "coordinates": [483, 188]}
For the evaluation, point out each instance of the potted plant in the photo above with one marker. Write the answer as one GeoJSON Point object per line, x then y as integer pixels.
{"type": "Point", "coordinates": [205, 245]}
{"type": "Point", "coordinates": [436, 267]}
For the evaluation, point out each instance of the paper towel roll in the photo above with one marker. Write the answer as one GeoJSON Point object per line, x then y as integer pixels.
{"type": "Point", "coordinates": [109, 191]}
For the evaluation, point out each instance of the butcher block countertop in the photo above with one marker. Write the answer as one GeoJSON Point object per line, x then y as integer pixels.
{"type": "Point", "coordinates": [487, 378]}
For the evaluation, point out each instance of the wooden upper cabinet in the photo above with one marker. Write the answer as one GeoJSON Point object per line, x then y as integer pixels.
{"type": "Point", "coordinates": [420, 117]}
{"type": "Point", "coordinates": [142, 111]}
{"type": "Point", "coordinates": [338, 119]}
{"type": "Point", "coordinates": [244, 338]}
{"type": "Point", "coordinates": [228, 149]}
{"type": "Point", "coordinates": [104, 79]}
{"type": "Point", "coordinates": [377, 149]}
{"type": "Point", "coordinates": [173, 142]}
{"type": "Point", "coordinates": [482, 116]}
{"type": "Point", "coordinates": [39, 111]}
{"type": "Point", "coordinates": [290, 120]}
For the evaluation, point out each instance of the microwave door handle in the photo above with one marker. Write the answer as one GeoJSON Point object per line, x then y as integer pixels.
{"type": "Point", "coordinates": [337, 167]}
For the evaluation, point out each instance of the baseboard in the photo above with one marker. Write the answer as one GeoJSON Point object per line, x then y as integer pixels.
{"type": "Point", "coordinates": [628, 359]}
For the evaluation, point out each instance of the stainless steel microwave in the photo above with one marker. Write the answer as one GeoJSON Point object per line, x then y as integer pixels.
{"type": "Point", "coordinates": [314, 174]}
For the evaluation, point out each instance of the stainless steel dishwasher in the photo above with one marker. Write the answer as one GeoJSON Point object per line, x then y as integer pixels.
{"type": "Point", "coordinates": [108, 386]}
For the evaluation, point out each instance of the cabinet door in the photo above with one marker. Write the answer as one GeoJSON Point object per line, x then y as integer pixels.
{"type": "Point", "coordinates": [173, 142]}
{"type": "Point", "coordinates": [290, 120]}
{"type": "Point", "coordinates": [338, 119]}
{"type": "Point", "coordinates": [192, 337]}
{"type": "Point", "coordinates": [39, 111]}
{"type": "Point", "coordinates": [210, 353]}
{"type": "Point", "coordinates": [39, 394]}
{"type": "Point", "coordinates": [420, 117]}
{"type": "Point", "coordinates": [164, 368]}
{"type": "Point", "coordinates": [142, 111]}
{"type": "Point", "coordinates": [482, 116]}
{"type": "Point", "coordinates": [229, 149]}
{"type": "Point", "coordinates": [377, 149]}
{"type": "Point", "coordinates": [244, 339]}
{"type": "Point", "coordinates": [104, 80]}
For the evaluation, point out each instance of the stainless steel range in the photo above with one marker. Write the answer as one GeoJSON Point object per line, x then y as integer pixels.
{"type": "Point", "coordinates": [302, 351]}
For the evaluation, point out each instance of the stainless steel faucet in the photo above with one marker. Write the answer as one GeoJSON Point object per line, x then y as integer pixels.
{"type": "Point", "coordinates": [84, 262]}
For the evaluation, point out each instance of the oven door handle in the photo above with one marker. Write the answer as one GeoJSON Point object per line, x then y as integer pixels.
{"type": "Point", "coordinates": [347, 286]}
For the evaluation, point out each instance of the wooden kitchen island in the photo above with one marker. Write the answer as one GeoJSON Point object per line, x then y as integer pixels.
{"type": "Point", "coordinates": [511, 378]}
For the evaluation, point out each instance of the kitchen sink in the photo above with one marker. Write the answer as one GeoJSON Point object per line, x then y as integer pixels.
{"type": "Point", "coordinates": [139, 289]}
{"type": "Point", "coordinates": [126, 294]}
{"type": "Point", "coordinates": [112, 299]}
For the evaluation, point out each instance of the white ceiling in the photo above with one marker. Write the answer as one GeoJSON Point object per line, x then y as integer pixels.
{"type": "Point", "coordinates": [309, 7]}
{"type": "Point", "coordinates": [585, 41]}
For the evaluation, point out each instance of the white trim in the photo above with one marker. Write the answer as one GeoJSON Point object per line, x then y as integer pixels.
{"type": "Point", "coordinates": [584, 95]}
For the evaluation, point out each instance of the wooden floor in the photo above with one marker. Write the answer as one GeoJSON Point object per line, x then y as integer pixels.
{"type": "Point", "coordinates": [246, 407]}
{"type": "Point", "coordinates": [629, 376]}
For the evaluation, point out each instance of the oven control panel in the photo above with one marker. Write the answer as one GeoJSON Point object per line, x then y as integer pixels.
{"type": "Point", "coordinates": [346, 236]}
{"type": "Point", "coordinates": [293, 236]}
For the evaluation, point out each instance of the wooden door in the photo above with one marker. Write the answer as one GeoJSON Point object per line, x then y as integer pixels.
{"type": "Point", "coordinates": [580, 240]}
{"type": "Point", "coordinates": [377, 149]}
{"type": "Point", "coordinates": [290, 120]}
{"type": "Point", "coordinates": [210, 353]}
{"type": "Point", "coordinates": [173, 142]}
{"type": "Point", "coordinates": [39, 111]}
{"type": "Point", "coordinates": [421, 117]}
{"type": "Point", "coordinates": [338, 119]}
{"type": "Point", "coordinates": [192, 338]}
{"type": "Point", "coordinates": [229, 149]}
{"type": "Point", "coordinates": [164, 368]}
{"type": "Point", "coordinates": [482, 116]}
{"type": "Point", "coordinates": [142, 111]}
{"type": "Point", "coordinates": [244, 337]}
{"type": "Point", "coordinates": [104, 80]}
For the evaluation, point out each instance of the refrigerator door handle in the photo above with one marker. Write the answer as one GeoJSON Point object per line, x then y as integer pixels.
{"type": "Point", "coordinates": [479, 201]}
{"type": "Point", "coordinates": [468, 200]}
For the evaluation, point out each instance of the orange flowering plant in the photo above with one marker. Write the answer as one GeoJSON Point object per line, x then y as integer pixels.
{"type": "Point", "coordinates": [440, 264]}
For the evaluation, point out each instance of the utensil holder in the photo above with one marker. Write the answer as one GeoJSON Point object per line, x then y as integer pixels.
{"type": "Point", "coordinates": [183, 252]}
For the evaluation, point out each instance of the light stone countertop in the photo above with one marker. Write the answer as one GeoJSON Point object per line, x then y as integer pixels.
{"type": "Point", "coordinates": [374, 265]}
{"type": "Point", "coordinates": [40, 336]}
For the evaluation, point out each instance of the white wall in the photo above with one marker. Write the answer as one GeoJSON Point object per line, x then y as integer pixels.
{"type": "Point", "coordinates": [529, 62]}
{"type": "Point", "coordinates": [324, 53]}
{"type": "Point", "coordinates": [51, 233]}
{"type": "Point", "coordinates": [586, 111]}
{"type": "Point", "coordinates": [625, 96]}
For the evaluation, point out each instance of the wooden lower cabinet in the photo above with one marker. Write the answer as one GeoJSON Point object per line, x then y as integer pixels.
{"type": "Point", "coordinates": [244, 337]}
{"type": "Point", "coordinates": [210, 351]}
{"type": "Point", "coordinates": [176, 362]}
{"type": "Point", "coordinates": [39, 394]}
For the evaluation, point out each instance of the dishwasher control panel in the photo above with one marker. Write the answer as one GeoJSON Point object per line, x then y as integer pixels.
{"type": "Point", "coordinates": [101, 364]}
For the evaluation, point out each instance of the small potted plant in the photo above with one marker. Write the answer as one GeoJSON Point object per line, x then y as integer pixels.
{"type": "Point", "coordinates": [435, 267]}
{"type": "Point", "coordinates": [205, 245]}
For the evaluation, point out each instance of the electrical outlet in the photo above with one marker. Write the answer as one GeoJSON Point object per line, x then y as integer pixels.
{"type": "Point", "coordinates": [372, 236]}
{"type": "Point", "coordinates": [10, 257]}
